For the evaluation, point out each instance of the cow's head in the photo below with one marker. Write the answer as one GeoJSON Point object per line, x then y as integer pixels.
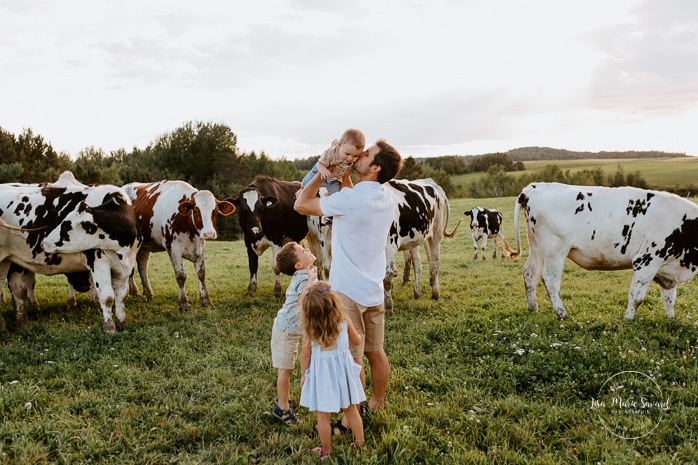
{"type": "Point", "coordinates": [109, 226]}
{"type": "Point", "coordinates": [474, 213]}
{"type": "Point", "coordinates": [251, 205]}
{"type": "Point", "coordinates": [204, 209]}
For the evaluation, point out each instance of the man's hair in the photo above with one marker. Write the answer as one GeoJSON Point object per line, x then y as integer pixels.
{"type": "Point", "coordinates": [353, 137]}
{"type": "Point", "coordinates": [287, 258]}
{"type": "Point", "coordinates": [389, 161]}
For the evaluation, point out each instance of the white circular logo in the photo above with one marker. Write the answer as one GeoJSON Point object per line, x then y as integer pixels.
{"type": "Point", "coordinates": [630, 405]}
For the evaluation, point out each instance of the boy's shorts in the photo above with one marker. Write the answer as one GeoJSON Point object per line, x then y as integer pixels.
{"type": "Point", "coordinates": [284, 348]}
{"type": "Point", "coordinates": [368, 321]}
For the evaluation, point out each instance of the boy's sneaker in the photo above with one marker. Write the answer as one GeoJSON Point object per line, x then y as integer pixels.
{"type": "Point", "coordinates": [286, 416]}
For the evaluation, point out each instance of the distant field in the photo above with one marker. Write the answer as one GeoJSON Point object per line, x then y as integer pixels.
{"type": "Point", "coordinates": [659, 172]}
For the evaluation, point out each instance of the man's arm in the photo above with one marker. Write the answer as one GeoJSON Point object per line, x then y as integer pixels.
{"type": "Point", "coordinates": [308, 203]}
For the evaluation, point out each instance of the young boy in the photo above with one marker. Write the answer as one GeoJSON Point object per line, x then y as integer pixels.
{"type": "Point", "coordinates": [337, 160]}
{"type": "Point", "coordinates": [296, 261]}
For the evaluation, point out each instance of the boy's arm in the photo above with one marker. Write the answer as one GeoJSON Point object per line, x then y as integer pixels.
{"type": "Point", "coordinates": [305, 357]}
{"type": "Point", "coordinates": [354, 336]}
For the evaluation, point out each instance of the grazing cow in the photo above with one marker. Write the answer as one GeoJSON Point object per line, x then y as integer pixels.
{"type": "Point", "coordinates": [600, 228]}
{"type": "Point", "coordinates": [484, 224]}
{"type": "Point", "coordinates": [177, 218]}
{"type": "Point", "coordinates": [267, 218]}
{"type": "Point", "coordinates": [419, 219]}
{"type": "Point", "coordinates": [53, 230]}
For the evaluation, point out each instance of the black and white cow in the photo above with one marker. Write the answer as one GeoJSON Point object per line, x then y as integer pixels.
{"type": "Point", "coordinates": [22, 282]}
{"type": "Point", "coordinates": [484, 224]}
{"type": "Point", "coordinates": [418, 219]}
{"type": "Point", "coordinates": [267, 218]}
{"type": "Point", "coordinates": [600, 228]}
{"type": "Point", "coordinates": [54, 230]}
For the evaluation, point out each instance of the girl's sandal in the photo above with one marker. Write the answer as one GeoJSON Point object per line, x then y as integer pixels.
{"type": "Point", "coordinates": [356, 446]}
{"type": "Point", "coordinates": [320, 452]}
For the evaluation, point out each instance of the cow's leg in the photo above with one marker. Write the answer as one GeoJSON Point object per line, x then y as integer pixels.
{"type": "Point", "coordinates": [494, 248]}
{"type": "Point", "coordinates": [407, 255]}
{"type": "Point", "coordinates": [433, 249]}
{"type": "Point", "coordinates": [475, 246]}
{"type": "Point", "coordinates": [120, 286]}
{"type": "Point", "coordinates": [552, 276]}
{"type": "Point", "coordinates": [253, 263]}
{"type": "Point", "coordinates": [638, 290]}
{"type": "Point", "coordinates": [532, 271]}
{"type": "Point", "coordinates": [21, 283]}
{"type": "Point", "coordinates": [200, 266]}
{"type": "Point", "coordinates": [72, 301]}
{"type": "Point", "coordinates": [669, 299]}
{"type": "Point", "coordinates": [417, 265]}
{"type": "Point", "coordinates": [143, 260]}
{"type": "Point", "coordinates": [132, 286]}
{"type": "Point", "coordinates": [277, 280]}
{"type": "Point", "coordinates": [391, 271]}
{"type": "Point", "coordinates": [181, 277]}
{"type": "Point", "coordinates": [102, 280]}
{"type": "Point", "coordinates": [484, 246]}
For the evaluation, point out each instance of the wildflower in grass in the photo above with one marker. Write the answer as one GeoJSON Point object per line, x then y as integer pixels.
{"type": "Point", "coordinates": [520, 351]}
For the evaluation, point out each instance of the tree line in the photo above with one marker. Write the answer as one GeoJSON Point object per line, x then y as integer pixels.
{"type": "Point", "coordinates": [206, 156]}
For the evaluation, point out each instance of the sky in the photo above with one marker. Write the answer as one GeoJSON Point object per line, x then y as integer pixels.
{"type": "Point", "coordinates": [437, 77]}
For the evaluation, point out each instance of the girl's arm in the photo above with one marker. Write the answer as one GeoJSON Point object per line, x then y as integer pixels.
{"type": "Point", "coordinates": [305, 357]}
{"type": "Point", "coordinates": [354, 336]}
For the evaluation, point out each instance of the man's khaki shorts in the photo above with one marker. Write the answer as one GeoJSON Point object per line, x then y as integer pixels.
{"type": "Point", "coordinates": [284, 349]}
{"type": "Point", "coordinates": [368, 321]}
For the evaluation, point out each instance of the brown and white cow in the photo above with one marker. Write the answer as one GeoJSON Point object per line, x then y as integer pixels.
{"type": "Point", "coordinates": [52, 230]}
{"type": "Point", "coordinates": [177, 218]}
{"type": "Point", "coordinates": [653, 233]}
{"type": "Point", "coordinates": [267, 219]}
{"type": "Point", "coordinates": [484, 224]}
{"type": "Point", "coordinates": [418, 219]}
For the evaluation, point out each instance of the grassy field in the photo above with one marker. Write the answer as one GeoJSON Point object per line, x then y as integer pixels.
{"type": "Point", "coordinates": [658, 172]}
{"type": "Point", "coordinates": [475, 377]}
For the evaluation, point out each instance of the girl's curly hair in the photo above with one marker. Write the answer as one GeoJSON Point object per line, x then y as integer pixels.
{"type": "Point", "coordinates": [321, 313]}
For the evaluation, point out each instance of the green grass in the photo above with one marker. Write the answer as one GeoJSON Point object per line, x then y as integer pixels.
{"type": "Point", "coordinates": [475, 377]}
{"type": "Point", "coordinates": [660, 173]}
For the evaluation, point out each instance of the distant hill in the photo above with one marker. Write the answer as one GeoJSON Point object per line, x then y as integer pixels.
{"type": "Point", "coordinates": [547, 153]}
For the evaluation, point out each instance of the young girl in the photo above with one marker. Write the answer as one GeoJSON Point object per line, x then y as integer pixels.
{"type": "Point", "coordinates": [330, 380]}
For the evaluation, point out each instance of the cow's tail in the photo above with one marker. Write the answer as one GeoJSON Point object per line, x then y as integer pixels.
{"type": "Point", "coordinates": [15, 228]}
{"type": "Point", "coordinates": [452, 234]}
{"type": "Point", "coordinates": [506, 248]}
{"type": "Point", "coordinates": [514, 254]}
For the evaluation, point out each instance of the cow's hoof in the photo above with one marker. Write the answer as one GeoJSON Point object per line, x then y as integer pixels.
{"type": "Point", "coordinates": [121, 324]}
{"type": "Point", "coordinates": [184, 308]}
{"type": "Point", "coordinates": [207, 303]}
{"type": "Point", "coordinates": [22, 319]}
{"type": "Point", "coordinates": [108, 327]}
{"type": "Point", "coordinates": [562, 317]}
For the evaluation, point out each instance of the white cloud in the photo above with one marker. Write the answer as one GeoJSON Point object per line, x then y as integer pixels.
{"type": "Point", "coordinates": [288, 76]}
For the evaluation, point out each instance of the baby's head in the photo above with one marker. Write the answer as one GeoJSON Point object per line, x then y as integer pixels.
{"type": "Point", "coordinates": [293, 257]}
{"type": "Point", "coordinates": [351, 144]}
{"type": "Point", "coordinates": [321, 313]}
